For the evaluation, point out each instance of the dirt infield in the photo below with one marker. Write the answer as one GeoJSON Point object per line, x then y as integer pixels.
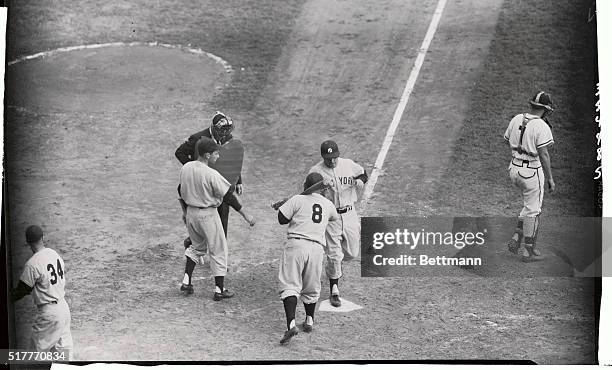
{"type": "Point", "coordinates": [90, 147]}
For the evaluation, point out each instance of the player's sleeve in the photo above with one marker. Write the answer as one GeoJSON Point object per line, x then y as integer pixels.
{"type": "Point", "coordinates": [282, 219]}
{"type": "Point", "coordinates": [288, 208]}
{"type": "Point", "coordinates": [30, 275]}
{"type": "Point", "coordinates": [178, 188]}
{"type": "Point", "coordinates": [544, 136]}
{"type": "Point", "coordinates": [333, 214]}
{"type": "Point", "coordinates": [359, 172]}
{"type": "Point", "coordinates": [220, 185]}
{"type": "Point", "coordinates": [508, 131]}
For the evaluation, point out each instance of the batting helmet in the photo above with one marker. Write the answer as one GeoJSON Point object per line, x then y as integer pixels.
{"type": "Point", "coordinates": [312, 179]}
{"type": "Point", "coordinates": [542, 100]}
{"type": "Point", "coordinates": [329, 149]}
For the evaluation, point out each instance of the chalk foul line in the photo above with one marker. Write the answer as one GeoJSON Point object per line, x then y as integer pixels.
{"type": "Point", "coordinates": [414, 74]}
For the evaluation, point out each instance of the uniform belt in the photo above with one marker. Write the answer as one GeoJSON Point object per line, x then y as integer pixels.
{"type": "Point", "coordinates": [344, 209]}
{"type": "Point", "coordinates": [526, 163]}
{"type": "Point", "coordinates": [310, 240]}
{"type": "Point", "coordinates": [44, 304]}
{"type": "Point", "coordinates": [200, 207]}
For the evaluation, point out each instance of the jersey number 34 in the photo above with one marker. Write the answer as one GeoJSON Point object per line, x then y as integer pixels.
{"type": "Point", "coordinates": [54, 275]}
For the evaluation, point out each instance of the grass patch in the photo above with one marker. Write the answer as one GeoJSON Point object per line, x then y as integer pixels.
{"type": "Point", "coordinates": [539, 45]}
{"type": "Point", "coordinates": [249, 35]}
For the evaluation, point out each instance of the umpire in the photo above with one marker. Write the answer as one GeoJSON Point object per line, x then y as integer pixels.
{"type": "Point", "coordinates": [221, 132]}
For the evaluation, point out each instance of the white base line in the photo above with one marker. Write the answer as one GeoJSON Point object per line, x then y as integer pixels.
{"type": "Point", "coordinates": [418, 63]}
{"type": "Point", "coordinates": [197, 51]}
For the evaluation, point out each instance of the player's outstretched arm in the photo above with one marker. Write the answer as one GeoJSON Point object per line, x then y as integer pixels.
{"type": "Point", "coordinates": [247, 217]}
{"type": "Point", "coordinates": [233, 202]}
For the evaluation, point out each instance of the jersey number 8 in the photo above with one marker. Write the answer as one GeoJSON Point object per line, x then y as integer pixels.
{"type": "Point", "coordinates": [60, 272]}
{"type": "Point", "coordinates": [317, 213]}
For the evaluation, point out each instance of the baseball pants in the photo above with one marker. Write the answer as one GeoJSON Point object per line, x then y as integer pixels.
{"type": "Point", "coordinates": [300, 270]}
{"type": "Point", "coordinates": [51, 329]}
{"type": "Point", "coordinates": [531, 182]}
{"type": "Point", "coordinates": [206, 232]}
{"type": "Point", "coordinates": [342, 242]}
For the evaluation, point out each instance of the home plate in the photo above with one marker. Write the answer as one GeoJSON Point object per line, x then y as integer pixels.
{"type": "Point", "coordinates": [347, 306]}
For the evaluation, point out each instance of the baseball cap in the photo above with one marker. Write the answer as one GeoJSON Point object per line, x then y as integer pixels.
{"type": "Point", "coordinates": [312, 179]}
{"type": "Point", "coordinates": [33, 233]}
{"type": "Point", "coordinates": [207, 145]}
{"type": "Point", "coordinates": [542, 100]}
{"type": "Point", "coordinates": [329, 149]}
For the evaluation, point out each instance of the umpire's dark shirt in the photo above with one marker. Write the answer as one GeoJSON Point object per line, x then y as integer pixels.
{"type": "Point", "coordinates": [186, 151]}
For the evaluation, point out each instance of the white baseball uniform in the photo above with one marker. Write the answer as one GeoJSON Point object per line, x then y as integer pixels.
{"type": "Point", "coordinates": [202, 189]}
{"type": "Point", "coordinates": [527, 133]}
{"type": "Point", "coordinates": [302, 260]}
{"type": "Point", "coordinates": [343, 236]}
{"type": "Point", "coordinates": [45, 273]}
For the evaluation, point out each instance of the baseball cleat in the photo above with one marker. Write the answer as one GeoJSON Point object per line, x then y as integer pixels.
{"type": "Point", "coordinates": [289, 334]}
{"type": "Point", "coordinates": [225, 294]}
{"type": "Point", "coordinates": [531, 255]}
{"type": "Point", "coordinates": [187, 288]}
{"type": "Point", "coordinates": [334, 299]}
{"type": "Point", "coordinates": [513, 246]}
{"type": "Point", "coordinates": [307, 327]}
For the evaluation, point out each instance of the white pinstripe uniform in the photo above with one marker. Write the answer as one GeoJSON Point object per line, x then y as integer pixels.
{"type": "Point", "coordinates": [202, 189]}
{"type": "Point", "coordinates": [526, 134]}
{"type": "Point", "coordinates": [343, 236]}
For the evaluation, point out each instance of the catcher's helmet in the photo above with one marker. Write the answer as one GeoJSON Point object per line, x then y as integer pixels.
{"type": "Point", "coordinates": [542, 100]}
{"type": "Point", "coordinates": [222, 125]}
{"type": "Point", "coordinates": [312, 179]}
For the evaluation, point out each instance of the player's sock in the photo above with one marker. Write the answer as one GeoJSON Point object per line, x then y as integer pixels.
{"type": "Point", "coordinates": [333, 282]}
{"type": "Point", "coordinates": [309, 320]}
{"type": "Point", "coordinates": [290, 304]}
{"type": "Point", "coordinates": [518, 232]}
{"type": "Point", "coordinates": [310, 310]}
{"type": "Point", "coordinates": [219, 284]}
{"type": "Point", "coordinates": [335, 290]}
{"type": "Point", "coordinates": [189, 267]}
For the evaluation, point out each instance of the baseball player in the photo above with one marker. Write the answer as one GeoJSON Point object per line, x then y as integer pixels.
{"type": "Point", "coordinates": [221, 132]}
{"type": "Point", "coordinates": [529, 136]}
{"type": "Point", "coordinates": [302, 260]}
{"type": "Point", "coordinates": [343, 235]}
{"type": "Point", "coordinates": [201, 191]}
{"type": "Point", "coordinates": [44, 276]}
